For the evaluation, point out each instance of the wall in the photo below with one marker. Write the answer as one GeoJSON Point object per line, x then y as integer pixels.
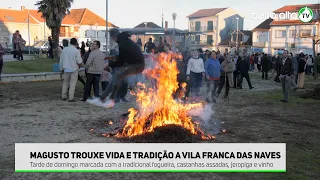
{"type": "Point", "coordinates": [227, 23]}
{"type": "Point", "coordinates": [203, 26]}
{"type": "Point", "coordinates": [260, 36]}
{"type": "Point", "coordinates": [36, 31]}
{"type": "Point", "coordinates": [4, 34]}
{"type": "Point", "coordinates": [301, 44]}
{"type": "Point", "coordinates": [84, 28]}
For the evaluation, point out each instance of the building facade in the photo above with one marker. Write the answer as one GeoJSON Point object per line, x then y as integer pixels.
{"type": "Point", "coordinates": [290, 33]}
{"type": "Point", "coordinates": [213, 25]}
{"type": "Point", "coordinates": [261, 37]}
{"type": "Point", "coordinates": [74, 24]}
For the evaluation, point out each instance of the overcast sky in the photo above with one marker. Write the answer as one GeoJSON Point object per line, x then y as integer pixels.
{"type": "Point", "coordinates": [129, 13]}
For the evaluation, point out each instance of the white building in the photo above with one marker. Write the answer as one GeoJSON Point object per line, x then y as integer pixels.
{"type": "Point", "coordinates": [289, 33]}
{"type": "Point", "coordinates": [215, 24]}
{"type": "Point", "coordinates": [261, 37]}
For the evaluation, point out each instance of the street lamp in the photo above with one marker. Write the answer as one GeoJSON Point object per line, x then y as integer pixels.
{"type": "Point", "coordinates": [97, 30]}
{"type": "Point", "coordinates": [237, 40]}
{"type": "Point", "coordinates": [174, 17]}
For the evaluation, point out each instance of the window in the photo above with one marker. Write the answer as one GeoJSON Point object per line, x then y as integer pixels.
{"type": "Point", "coordinates": [305, 33]}
{"type": "Point", "coordinates": [210, 26]}
{"type": "Point", "coordinates": [292, 33]}
{"type": "Point", "coordinates": [197, 37]}
{"type": "Point", "coordinates": [198, 25]}
{"type": "Point", "coordinates": [281, 34]}
{"type": "Point", "coordinates": [209, 39]}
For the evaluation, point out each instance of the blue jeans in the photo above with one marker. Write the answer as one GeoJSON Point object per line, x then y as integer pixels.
{"type": "Point", "coordinates": [196, 81]}
{"type": "Point", "coordinates": [119, 75]}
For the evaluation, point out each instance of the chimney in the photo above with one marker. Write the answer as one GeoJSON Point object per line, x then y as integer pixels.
{"type": "Point", "coordinates": [166, 24]}
{"type": "Point", "coordinates": [23, 8]}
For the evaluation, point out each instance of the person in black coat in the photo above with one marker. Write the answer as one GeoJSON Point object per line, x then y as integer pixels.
{"type": "Point", "coordinates": [243, 67]}
{"type": "Point", "coordinates": [265, 63]}
{"type": "Point", "coordinates": [130, 61]}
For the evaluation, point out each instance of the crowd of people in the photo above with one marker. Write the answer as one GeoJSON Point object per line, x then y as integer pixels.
{"type": "Point", "coordinates": [121, 71]}
{"type": "Point", "coordinates": [213, 70]}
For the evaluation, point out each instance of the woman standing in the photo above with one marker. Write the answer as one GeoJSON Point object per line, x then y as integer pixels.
{"type": "Point", "coordinates": [20, 44]}
{"type": "Point", "coordinates": [139, 43]}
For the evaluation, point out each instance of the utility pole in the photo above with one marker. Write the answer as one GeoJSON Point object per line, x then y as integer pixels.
{"type": "Point", "coordinates": [174, 17]}
{"type": "Point", "coordinates": [107, 28]}
{"type": "Point", "coordinates": [314, 42]}
{"type": "Point", "coordinates": [29, 31]}
{"type": "Point", "coordinates": [44, 29]}
{"type": "Point", "coordinates": [162, 18]}
{"type": "Point", "coordinates": [237, 40]}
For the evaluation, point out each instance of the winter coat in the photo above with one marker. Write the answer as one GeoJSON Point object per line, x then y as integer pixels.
{"type": "Point", "coordinates": [19, 43]}
{"type": "Point", "coordinates": [212, 69]}
{"type": "Point", "coordinates": [302, 66]}
{"type": "Point", "coordinates": [228, 68]}
{"type": "Point", "coordinates": [243, 66]}
{"type": "Point", "coordinates": [286, 68]}
{"type": "Point", "coordinates": [129, 52]}
{"type": "Point", "coordinates": [182, 68]}
{"type": "Point", "coordinates": [265, 63]}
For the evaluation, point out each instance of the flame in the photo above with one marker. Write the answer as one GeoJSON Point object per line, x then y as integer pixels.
{"type": "Point", "coordinates": [156, 106]}
{"type": "Point", "coordinates": [110, 122]}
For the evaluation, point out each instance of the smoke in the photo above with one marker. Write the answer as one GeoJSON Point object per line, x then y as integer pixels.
{"type": "Point", "coordinates": [204, 112]}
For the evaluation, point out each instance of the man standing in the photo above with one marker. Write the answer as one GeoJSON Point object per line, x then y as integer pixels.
{"type": "Point", "coordinates": [243, 69]}
{"type": "Point", "coordinates": [2, 52]}
{"type": "Point", "coordinates": [265, 66]}
{"type": "Point", "coordinates": [286, 70]}
{"type": "Point", "coordinates": [130, 62]}
{"type": "Point", "coordinates": [236, 60]}
{"type": "Point", "coordinates": [94, 66]}
{"type": "Point", "coordinates": [212, 69]}
{"type": "Point", "coordinates": [69, 63]}
{"type": "Point", "coordinates": [295, 72]}
{"type": "Point", "coordinates": [149, 46]}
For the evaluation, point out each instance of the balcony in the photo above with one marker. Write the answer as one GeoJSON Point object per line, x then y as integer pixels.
{"type": "Point", "coordinates": [201, 29]}
{"type": "Point", "coordinates": [259, 44]}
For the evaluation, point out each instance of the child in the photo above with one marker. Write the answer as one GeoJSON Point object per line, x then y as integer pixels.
{"type": "Point", "coordinates": [106, 76]}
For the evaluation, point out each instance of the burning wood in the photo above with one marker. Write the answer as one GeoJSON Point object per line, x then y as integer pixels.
{"type": "Point", "coordinates": [156, 106]}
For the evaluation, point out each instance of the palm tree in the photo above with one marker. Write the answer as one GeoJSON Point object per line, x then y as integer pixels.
{"type": "Point", "coordinates": [54, 12]}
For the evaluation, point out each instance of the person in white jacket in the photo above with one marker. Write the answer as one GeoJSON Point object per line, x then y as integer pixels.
{"type": "Point", "coordinates": [195, 73]}
{"type": "Point", "coordinates": [70, 60]}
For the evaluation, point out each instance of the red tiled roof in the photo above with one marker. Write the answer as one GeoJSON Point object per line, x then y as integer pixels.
{"type": "Point", "coordinates": [206, 12]}
{"type": "Point", "coordinates": [290, 22]}
{"type": "Point", "coordinates": [67, 20]}
{"type": "Point", "coordinates": [16, 16]}
{"type": "Point", "coordinates": [86, 17]}
{"type": "Point", "coordinates": [76, 16]}
{"type": "Point", "coordinates": [296, 8]}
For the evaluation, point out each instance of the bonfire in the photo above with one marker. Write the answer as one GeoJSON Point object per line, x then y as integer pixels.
{"type": "Point", "coordinates": [156, 105]}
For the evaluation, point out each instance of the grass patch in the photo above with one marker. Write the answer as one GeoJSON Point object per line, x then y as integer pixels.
{"type": "Point", "coordinates": [29, 66]}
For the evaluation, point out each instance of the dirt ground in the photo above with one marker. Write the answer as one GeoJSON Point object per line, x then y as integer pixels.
{"type": "Point", "coordinates": [34, 113]}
